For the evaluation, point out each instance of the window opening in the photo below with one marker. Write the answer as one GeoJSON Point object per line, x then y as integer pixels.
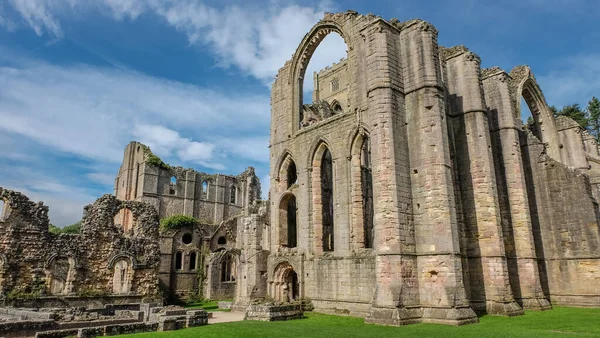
{"type": "Point", "coordinates": [228, 269]}
{"type": "Point", "coordinates": [232, 194]}
{"type": "Point", "coordinates": [186, 238]}
{"type": "Point", "coordinates": [193, 258]}
{"type": "Point", "coordinates": [367, 192]}
{"type": "Point", "coordinates": [327, 200]}
{"type": "Point", "coordinates": [178, 260]}
{"type": "Point", "coordinates": [292, 174]}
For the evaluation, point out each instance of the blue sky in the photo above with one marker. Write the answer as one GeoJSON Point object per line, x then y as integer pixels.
{"type": "Point", "coordinates": [79, 79]}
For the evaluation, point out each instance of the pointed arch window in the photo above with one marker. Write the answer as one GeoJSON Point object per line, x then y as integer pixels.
{"type": "Point", "coordinates": [366, 179]}
{"type": "Point", "coordinates": [228, 269]}
{"type": "Point", "coordinates": [327, 200]}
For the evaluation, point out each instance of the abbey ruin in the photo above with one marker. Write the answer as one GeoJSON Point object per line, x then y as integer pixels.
{"type": "Point", "coordinates": [407, 191]}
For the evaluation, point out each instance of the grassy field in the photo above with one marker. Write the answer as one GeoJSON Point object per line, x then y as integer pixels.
{"type": "Point", "coordinates": [559, 322]}
{"type": "Point", "coordinates": [209, 306]}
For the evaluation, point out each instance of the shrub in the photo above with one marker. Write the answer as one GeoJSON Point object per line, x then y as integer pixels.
{"type": "Point", "coordinates": [177, 222]}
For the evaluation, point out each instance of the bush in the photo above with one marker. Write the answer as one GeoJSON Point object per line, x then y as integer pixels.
{"type": "Point", "coordinates": [177, 222]}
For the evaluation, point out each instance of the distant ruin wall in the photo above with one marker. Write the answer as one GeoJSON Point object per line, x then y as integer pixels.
{"type": "Point", "coordinates": [100, 261]}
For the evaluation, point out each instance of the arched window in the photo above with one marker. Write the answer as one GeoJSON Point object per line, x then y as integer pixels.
{"type": "Point", "coordinates": [193, 259]}
{"type": "Point", "coordinates": [179, 260]}
{"type": "Point", "coordinates": [327, 200]}
{"type": "Point", "coordinates": [336, 107]}
{"type": "Point", "coordinates": [222, 240]}
{"type": "Point", "coordinates": [366, 179]}
{"type": "Point", "coordinates": [287, 222]}
{"type": "Point", "coordinates": [205, 190]}
{"type": "Point", "coordinates": [121, 283]}
{"type": "Point", "coordinates": [292, 174]}
{"type": "Point", "coordinates": [228, 269]}
{"type": "Point", "coordinates": [335, 85]}
{"type": "Point", "coordinates": [172, 185]}
{"type": "Point", "coordinates": [232, 192]}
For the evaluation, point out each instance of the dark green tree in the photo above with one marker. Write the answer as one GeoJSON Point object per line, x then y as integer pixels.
{"type": "Point", "coordinates": [576, 113]}
{"type": "Point", "coordinates": [593, 113]}
{"type": "Point", "coordinates": [74, 228]}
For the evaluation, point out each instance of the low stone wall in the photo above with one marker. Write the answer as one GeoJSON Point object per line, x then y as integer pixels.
{"type": "Point", "coordinates": [57, 333]}
{"type": "Point", "coordinates": [272, 313]}
{"type": "Point", "coordinates": [225, 305]}
{"type": "Point", "coordinates": [76, 301]}
{"type": "Point", "coordinates": [26, 314]}
{"type": "Point", "coordinates": [25, 328]}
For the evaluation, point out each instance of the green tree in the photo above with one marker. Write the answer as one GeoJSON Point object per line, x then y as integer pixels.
{"type": "Point", "coordinates": [576, 113]}
{"type": "Point", "coordinates": [74, 228]}
{"type": "Point", "coordinates": [554, 111]}
{"type": "Point", "coordinates": [593, 113]}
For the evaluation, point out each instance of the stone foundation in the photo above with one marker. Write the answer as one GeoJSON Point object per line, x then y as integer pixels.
{"type": "Point", "coordinates": [271, 313]}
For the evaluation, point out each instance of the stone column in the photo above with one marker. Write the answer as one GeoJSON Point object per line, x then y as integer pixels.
{"type": "Point", "coordinates": [396, 297]}
{"type": "Point", "coordinates": [442, 293]}
{"type": "Point", "coordinates": [488, 269]}
{"type": "Point", "coordinates": [512, 190]}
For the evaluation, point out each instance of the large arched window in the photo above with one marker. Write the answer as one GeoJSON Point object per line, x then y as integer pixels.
{"type": "Point", "coordinates": [292, 175]}
{"type": "Point", "coordinates": [288, 232]}
{"type": "Point", "coordinates": [327, 200]}
{"type": "Point", "coordinates": [228, 269]}
{"type": "Point", "coordinates": [366, 180]}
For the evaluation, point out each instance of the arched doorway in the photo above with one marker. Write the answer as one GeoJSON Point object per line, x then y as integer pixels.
{"type": "Point", "coordinates": [286, 283]}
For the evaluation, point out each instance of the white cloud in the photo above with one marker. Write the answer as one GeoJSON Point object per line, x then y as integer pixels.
{"type": "Point", "coordinates": [575, 80]}
{"type": "Point", "coordinates": [93, 112]}
{"type": "Point", "coordinates": [256, 40]}
{"type": "Point", "coordinates": [102, 178]}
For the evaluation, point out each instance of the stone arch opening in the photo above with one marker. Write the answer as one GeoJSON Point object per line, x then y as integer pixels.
{"type": "Point", "coordinates": [286, 283]}
{"type": "Point", "coordinates": [205, 190]}
{"type": "Point", "coordinates": [323, 198]}
{"type": "Point", "coordinates": [326, 81]}
{"type": "Point", "coordinates": [122, 276]}
{"type": "Point", "coordinates": [222, 240]}
{"type": "Point", "coordinates": [125, 219]}
{"type": "Point", "coordinates": [287, 172]}
{"type": "Point", "coordinates": [60, 274]}
{"type": "Point", "coordinates": [228, 268]}
{"type": "Point", "coordinates": [288, 230]}
{"type": "Point", "coordinates": [543, 126]}
{"type": "Point", "coordinates": [362, 191]}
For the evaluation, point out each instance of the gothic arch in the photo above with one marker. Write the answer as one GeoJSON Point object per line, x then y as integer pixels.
{"type": "Point", "coordinates": [285, 286]}
{"type": "Point", "coordinates": [120, 256]}
{"type": "Point", "coordinates": [287, 229]}
{"type": "Point", "coordinates": [286, 163]}
{"type": "Point", "coordinates": [361, 191]}
{"type": "Point", "coordinates": [322, 197]}
{"type": "Point", "coordinates": [60, 274]}
{"type": "Point", "coordinates": [302, 57]}
{"type": "Point", "coordinates": [525, 85]}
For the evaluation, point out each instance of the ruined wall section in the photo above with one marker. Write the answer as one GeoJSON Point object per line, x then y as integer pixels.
{"type": "Point", "coordinates": [566, 227]}
{"type": "Point", "coordinates": [210, 198]}
{"type": "Point", "coordinates": [570, 135]}
{"type": "Point", "coordinates": [488, 270]}
{"type": "Point", "coordinates": [37, 263]}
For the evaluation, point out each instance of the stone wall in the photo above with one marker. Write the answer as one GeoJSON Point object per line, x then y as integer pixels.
{"type": "Point", "coordinates": [102, 260]}
{"type": "Point", "coordinates": [567, 233]}
{"type": "Point", "coordinates": [454, 188]}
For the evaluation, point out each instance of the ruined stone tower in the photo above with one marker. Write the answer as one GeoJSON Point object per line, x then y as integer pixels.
{"type": "Point", "coordinates": [409, 191]}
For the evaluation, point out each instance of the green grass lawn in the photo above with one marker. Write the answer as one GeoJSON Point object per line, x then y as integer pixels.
{"type": "Point", "coordinates": [561, 321]}
{"type": "Point", "coordinates": [208, 305]}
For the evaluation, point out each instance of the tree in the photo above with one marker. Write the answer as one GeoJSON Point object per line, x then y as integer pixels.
{"type": "Point", "coordinates": [554, 111]}
{"type": "Point", "coordinates": [593, 113]}
{"type": "Point", "coordinates": [74, 228]}
{"type": "Point", "coordinates": [576, 113]}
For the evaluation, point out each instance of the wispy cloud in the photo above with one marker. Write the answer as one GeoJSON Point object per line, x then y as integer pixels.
{"type": "Point", "coordinates": [575, 80]}
{"type": "Point", "coordinates": [256, 40]}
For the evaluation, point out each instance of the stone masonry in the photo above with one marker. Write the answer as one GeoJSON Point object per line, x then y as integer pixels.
{"type": "Point", "coordinates": [102, 261]}
{"type": "Point", "coordinates": [409, 190]}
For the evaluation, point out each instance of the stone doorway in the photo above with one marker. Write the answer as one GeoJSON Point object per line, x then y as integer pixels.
{"type": "Point", "coordinates": [286, 283]}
